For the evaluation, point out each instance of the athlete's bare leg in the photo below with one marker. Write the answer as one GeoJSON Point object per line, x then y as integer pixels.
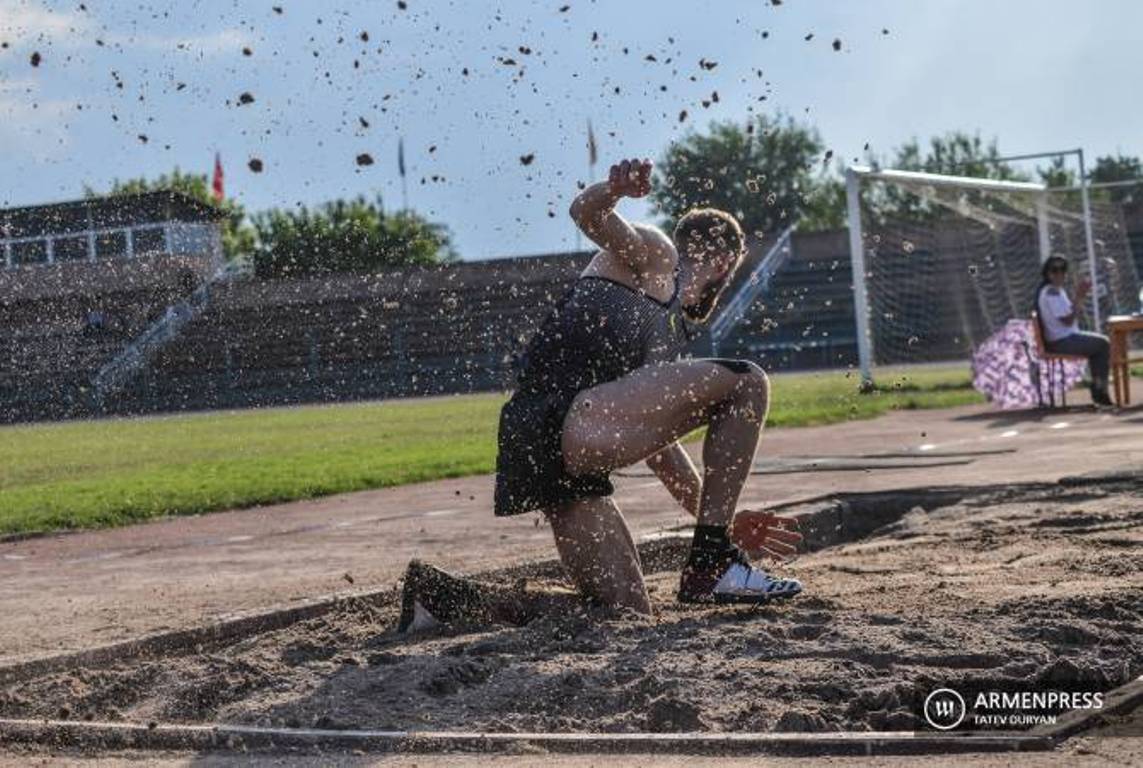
{"type": "Point", "coordinates": [599, 554]}
{"type": "Point", "coordinates": [624, 421]}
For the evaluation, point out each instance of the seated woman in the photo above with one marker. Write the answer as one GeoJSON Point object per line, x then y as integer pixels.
{"type": "Point", "coordinates": [603, 387]}
{"type": "Point", "coordinates": [1061, 331]}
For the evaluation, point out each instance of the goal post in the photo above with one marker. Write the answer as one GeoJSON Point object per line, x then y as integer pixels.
{"type": "Point", "coordinates": [939, 262]}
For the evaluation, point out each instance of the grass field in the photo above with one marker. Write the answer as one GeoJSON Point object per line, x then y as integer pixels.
{"type": "Point", "coordinates": [117, 471]}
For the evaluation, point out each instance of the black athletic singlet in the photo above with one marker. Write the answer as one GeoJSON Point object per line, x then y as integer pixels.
{"type": "Point", "coordinates": [599, 331]}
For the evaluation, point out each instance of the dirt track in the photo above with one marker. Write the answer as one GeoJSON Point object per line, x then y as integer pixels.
{"type": "Point", "coordinates": [79, 590]}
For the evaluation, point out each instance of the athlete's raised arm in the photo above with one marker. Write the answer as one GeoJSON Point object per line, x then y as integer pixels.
{"type": "Point", "coordinates": [594, 212]}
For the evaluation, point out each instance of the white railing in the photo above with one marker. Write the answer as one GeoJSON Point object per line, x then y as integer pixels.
{"type": "Point", "coordinates": [143, 348]}
{"type": "Point", "coordinates": [757, 283]}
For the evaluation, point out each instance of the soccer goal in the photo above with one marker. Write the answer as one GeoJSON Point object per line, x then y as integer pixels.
{"type": "Point", "coordinates": [942, 262]}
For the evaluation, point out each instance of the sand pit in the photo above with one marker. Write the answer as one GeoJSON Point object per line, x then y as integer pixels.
{"type": "Point", "coordinates": [1037, 584]}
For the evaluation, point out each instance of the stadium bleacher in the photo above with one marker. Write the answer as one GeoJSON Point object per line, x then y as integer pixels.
{"type": "Point", "coordinates": [420, 331]}
{"type": "Point", "coordinates": [63, 323]}
{"type": "Point", "coordinates": [805, 319]}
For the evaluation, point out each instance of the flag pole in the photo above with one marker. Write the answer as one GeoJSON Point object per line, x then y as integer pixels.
{"type": "Point", "coordinates": [401, 170]}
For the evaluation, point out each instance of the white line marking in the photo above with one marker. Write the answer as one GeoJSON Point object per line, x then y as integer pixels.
{"type": "Point", "coordinates": [236, 539]}
{"type": "Point", "coordinates": [1010, 433]}
{"type": "Point", "coordinates": [662, 535]}
{"type": "Point", "coordinates": [1060, 425]}
{"type": "Point", "coordinates": [441, 512]}
{"type": "Point", "coordinates": [927, 447]}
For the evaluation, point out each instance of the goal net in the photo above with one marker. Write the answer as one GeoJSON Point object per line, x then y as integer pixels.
{"type": "Point", "coordinates": [943, 262]}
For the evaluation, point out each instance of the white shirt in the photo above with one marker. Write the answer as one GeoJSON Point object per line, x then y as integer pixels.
{"type": "Point", "coordinates": [1054, 304]}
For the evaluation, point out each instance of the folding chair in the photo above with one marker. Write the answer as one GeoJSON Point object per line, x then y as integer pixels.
{"type": "Point", "coordinates": [1055, 362]}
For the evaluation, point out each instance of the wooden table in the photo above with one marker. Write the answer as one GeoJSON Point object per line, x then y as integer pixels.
{"type": "Point", "coordinates": [1119, 329]}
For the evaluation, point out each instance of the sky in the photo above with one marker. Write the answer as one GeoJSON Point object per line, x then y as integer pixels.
{"type": "Point", "coordinates": [95, 91]}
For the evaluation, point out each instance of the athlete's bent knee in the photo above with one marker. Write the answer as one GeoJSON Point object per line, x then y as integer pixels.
{"type": "Point", "coordinates": [754, 388]}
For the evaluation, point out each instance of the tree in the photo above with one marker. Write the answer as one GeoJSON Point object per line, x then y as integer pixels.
{"type": "Point", "coordinates": [956, 153]}
{"type": "Point", "coordinates": [237, 235]}
{"type": "Point", "coordinates": [1056, 174]}
{"type": "Point", "coordinates": [344, 236]}
{"type": "Point", "coordinates": [1118, 168]}
{"type": "Point", "coordinates": [767, 173]}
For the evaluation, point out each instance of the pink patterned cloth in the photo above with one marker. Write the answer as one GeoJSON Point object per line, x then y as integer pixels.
{"type": "Point", "coordinates": [1008, 370]}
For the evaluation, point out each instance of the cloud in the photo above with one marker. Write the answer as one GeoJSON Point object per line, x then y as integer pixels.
{"type": "Point", "coordinates": [38, 127]}
{"type": "Point", "coordinates": [211, 44]}
{"type": "Point", "coordinates": [23, 24]}
{"type": "Point", "coordinates": [27, 22]}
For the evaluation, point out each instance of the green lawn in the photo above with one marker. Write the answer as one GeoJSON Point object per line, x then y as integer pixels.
{"type": "Point", "coordinates": [117, 471]}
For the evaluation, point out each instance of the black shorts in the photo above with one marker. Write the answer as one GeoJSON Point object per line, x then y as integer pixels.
{"type": "Point", "coordinates": [530, 472]}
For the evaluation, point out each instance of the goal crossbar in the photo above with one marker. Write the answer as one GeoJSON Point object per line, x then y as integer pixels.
{"type": "Point", "coordinates": [940, 180]}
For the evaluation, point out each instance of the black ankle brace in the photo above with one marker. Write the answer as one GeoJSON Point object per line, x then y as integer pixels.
{"type": "Point", "coordinates": [711, 546]}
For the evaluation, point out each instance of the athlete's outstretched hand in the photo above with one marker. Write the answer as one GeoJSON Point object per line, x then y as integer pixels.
{"type": "Point", "coordinates": [761, 533]}
{"type": "Point", "coordinates": [630, 178]}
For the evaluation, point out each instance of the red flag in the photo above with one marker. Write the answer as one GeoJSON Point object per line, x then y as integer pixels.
{"type": "Point", "coordinates": [216, 182]}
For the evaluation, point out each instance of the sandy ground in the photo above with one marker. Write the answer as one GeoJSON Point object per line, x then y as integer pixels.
{"type": "Point", "coordinates": [73, 591]}
{"type": "Point", "coordinates": [1040, 588]}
